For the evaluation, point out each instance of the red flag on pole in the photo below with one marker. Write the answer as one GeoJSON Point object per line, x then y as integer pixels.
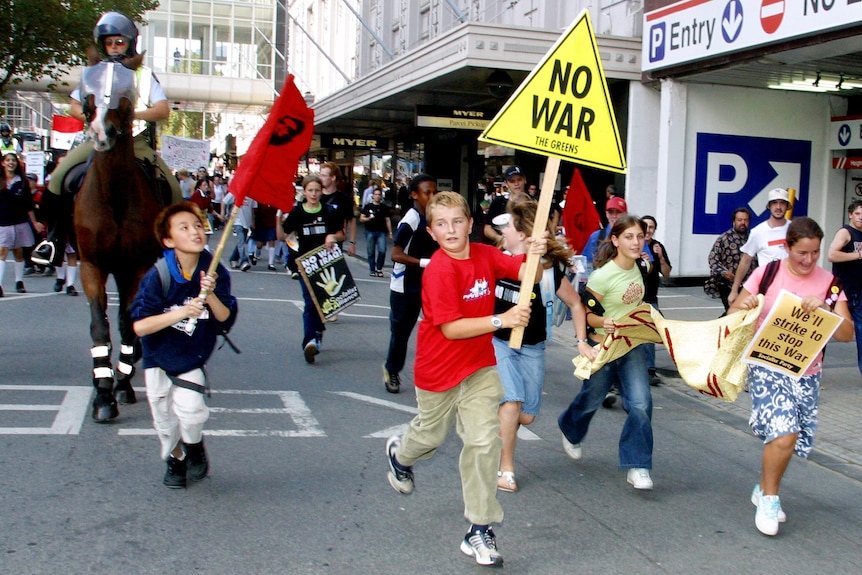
{"type": "Point", "coordinates": [63, 131]}
{"type": "Point", "coordinates": [267, 170]}
{"type": "Point", "coordinates": [580, 217]}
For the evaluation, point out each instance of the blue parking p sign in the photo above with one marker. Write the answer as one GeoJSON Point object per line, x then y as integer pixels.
{"type": "Point", "coordinates": [738, 171]}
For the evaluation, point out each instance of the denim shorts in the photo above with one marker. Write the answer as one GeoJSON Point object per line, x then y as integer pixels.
{"type": "Point", "coordinates": [522, 372]}
{"type": "Point", "coordinates": [782, 406]}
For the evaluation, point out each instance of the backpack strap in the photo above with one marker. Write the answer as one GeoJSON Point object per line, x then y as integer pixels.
{"type": "Point", "coordinates": [768, 276]}
{"type": "Point", "coordinates": [164, 275]}
{"type": "Point", "coordinates": [830, 298]}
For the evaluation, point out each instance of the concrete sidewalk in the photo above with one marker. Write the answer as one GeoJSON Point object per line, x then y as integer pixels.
{"type": "Point", "coordinates": [838, 442]}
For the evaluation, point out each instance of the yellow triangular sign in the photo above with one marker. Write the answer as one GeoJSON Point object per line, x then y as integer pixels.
{"type": "Point", "coordinates": [563, 107]}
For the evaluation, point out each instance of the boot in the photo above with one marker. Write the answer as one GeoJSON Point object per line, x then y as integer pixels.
{"type": "Point", "coordinates": [175, 476]}
{"type": "Point", "coordinates": [197, 465]}
{"type": "Point", "coordinates": [59, 220]}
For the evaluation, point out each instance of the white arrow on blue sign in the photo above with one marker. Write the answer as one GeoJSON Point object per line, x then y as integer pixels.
{"type": "Point", "coordinates": [738, 171]}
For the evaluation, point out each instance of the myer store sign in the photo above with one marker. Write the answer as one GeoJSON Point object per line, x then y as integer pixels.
{"type": "Point", "coordinates": [353, 142]}
{"type": "Point", "coordinates": [451, 118]}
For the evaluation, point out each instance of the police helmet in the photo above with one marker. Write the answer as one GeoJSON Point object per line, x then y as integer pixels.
{"type": "Point", "coordinates": [116, 24]}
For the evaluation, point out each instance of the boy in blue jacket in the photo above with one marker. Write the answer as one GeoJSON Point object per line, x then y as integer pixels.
{"type": "Point", "coordinates": [175, 349]}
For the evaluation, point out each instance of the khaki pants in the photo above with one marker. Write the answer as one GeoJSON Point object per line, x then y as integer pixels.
{"type": "Point", "coordinates": [82, 151]}
{"type": "Point", "coordinates": [472, 407]}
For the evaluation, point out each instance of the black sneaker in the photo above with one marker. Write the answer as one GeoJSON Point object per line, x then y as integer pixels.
{"type": "Point", "coordinates": [654, 379]}
{"type": "Point", "coordinates": [481, 544]}
{"type": "Point", "coordinates": [19, 287]}
{"type": "Point", "coordinates": [400, 477]}
{"type": "Point", "coordinates": [29, 271]}
{"type": "Point", "coordinates": [391, 380]}
{"type": "Point", "coordinates": [175, 476]}
{"type": "Point", "coordinates": [253, 259]}
{"type": "Point", "coordinates": [611, 398]}
{"type": "Point", "coordinates": [71, 291]}
{"type": "Point", "coordinates": [271, 267]}
{"type": "Point", "coordinates": [197, 465]}
{"type": "Point", "coordinates": [58, 285]}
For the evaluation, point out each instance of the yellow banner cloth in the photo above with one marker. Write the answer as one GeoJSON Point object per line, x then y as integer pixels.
{"type": "Point", "coordinates": [707, 354]}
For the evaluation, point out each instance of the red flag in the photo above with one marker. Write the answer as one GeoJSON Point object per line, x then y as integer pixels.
{"type": "Point", "coordinates": [267, 170]}
{"type": "Point", "coordinates": [580, 217]}
{"type": "Point", "coordinates": [63, 131]}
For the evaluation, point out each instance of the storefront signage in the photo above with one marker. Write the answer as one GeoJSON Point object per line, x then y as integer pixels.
{"type": "Point", "coordinates": [696, 29]}
{"type": "Point", "coordinates": [353, 142]}
{"type": "Point", "coordinates": [845, 133]}
{"type": "Point", "coordinates": [733, 171]}
{"type": "Point", "coordinates": [563, 108]}
{"type": "Point", "coordinates": [456, 118]}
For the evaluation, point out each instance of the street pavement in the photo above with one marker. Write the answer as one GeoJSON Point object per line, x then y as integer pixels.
{"type": "Point", "coordinates": [298, 470]}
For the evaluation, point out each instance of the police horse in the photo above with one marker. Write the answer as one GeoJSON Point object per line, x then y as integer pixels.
{"type": "Point", "coordinates": [113, 221]}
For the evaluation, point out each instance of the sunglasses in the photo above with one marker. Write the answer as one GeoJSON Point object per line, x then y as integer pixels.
{"type": "Point", "coordinates": [115, 42]}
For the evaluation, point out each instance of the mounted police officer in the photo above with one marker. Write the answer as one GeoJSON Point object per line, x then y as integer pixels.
{"type": "Point", "coordinates": [116, 37]}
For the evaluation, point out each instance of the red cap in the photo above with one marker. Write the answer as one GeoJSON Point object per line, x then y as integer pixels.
{"type": "Point", "coordinates": [616, 203]}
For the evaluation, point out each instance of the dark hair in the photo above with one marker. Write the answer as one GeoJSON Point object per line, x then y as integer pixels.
{"type": "Point", "coordinates": [615, 192]}
{"type": "Point", "coordinates": [414, 183]}
{"type": "Point", "coordinates": [607, 250]}
{"type": "Point", "coordinates": [737, 210]}
{"type": "Point", "coordinates": [523, 219]}
{"type": "Point", "coordinates": [801, 228]}
{"type": "Point", "coordinates": [202, 180]}
{"type": "Point", "coordinates": [18, 169]}
{"type": "Point", "coordinates": [652, 219]}
{"type": "Point", "coordinates": [854, 205]}
{"type": "Point", "coordinates": [162, 225]}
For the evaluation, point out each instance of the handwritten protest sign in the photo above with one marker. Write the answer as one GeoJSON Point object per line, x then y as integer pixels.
{"type": "Point", "coordinates": [789, 340]}
{"type": "Point", "coordinates": [185, 153]}
{"type": "Point", "coordinates": [328, 279]}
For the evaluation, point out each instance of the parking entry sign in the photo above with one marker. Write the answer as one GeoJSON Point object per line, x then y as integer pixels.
{"type": "Point", "coordinates": [738, 171]}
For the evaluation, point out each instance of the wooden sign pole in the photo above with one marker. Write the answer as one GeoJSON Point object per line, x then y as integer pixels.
{"type": "Point", "coordinates": [546, 197]}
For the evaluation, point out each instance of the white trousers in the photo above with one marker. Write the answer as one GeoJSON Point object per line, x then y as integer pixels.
{"type": "Point", "coordinates": [178, 413]}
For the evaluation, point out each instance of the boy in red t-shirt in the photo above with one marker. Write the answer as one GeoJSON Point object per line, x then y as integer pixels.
{"type": "Point", "coordinates": [454, 369]}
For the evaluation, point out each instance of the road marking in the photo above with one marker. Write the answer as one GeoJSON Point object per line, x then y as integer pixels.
{"type": "Point", "coordinates": [70, 412]}
{"type": "Point", "coordinates": [294, 407]}
{"type": "Point", "coordinates": [523, 433]}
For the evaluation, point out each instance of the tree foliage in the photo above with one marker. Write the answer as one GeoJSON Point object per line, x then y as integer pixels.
{"type": "Point", "coordinates": [44, 38]}
{"type": "Point", "coordinates": [190, 125]}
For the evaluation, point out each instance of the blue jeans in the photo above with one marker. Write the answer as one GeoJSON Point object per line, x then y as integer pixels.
{"type": "Point", "coordinates": [522, 372]}
{"type": "Point", "coordinates": [649, 348]}
{"type": "Point", "coordinates": [312, 325]}
{"type": "Point", "coordinates": [854, 302]}
{"type": "Point", "coordinates": [240, 251]}
{"type": "Point", "coordinates": [404, 310]}
{"type": "Point", "coordinates": [636, 439]}
{"type": "Point", "coordinates": [375, 243]}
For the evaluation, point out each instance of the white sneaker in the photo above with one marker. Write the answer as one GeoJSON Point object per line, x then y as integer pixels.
{"type": "Point", "coordinates": [573, 450]}
{"type": "Point", "coordinates": [766, 518]}
{"type": "Point", "coordinates": [755, 499]}
{"type": "Point", "coordinates": [639, 478]}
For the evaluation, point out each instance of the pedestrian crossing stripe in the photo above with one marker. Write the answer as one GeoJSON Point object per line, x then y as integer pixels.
{"type": "Point", "coordinates": [563, 107]}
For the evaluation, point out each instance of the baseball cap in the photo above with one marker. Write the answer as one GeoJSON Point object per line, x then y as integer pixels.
{"type": "Point", "coordinates": [32, 177]}
{"type": "Point", "coordinates": [502, 220]}
{"type": "Point", "coordinates": [616, 203]}
{"type": "Point", "coordinates": [776, 194]}
{"type": "Point", "coordinates": [511, 172]}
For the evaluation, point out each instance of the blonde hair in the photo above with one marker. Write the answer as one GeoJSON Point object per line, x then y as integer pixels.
{"type": "Point", "coordinates": [446, 200]}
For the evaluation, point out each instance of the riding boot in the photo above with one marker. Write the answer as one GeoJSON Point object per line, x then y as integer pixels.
{"type": "Point", "coordinates": [59, 218]}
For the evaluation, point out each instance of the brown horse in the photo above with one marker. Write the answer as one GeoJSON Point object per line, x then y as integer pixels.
{"type": "Point", "coordinates": [114, 214]}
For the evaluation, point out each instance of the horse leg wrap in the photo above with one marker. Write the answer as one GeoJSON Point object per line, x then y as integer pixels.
{"type": "Point", "coordinates": [103, 374]}
{"type": "Point", "coordinates": [123, 392]}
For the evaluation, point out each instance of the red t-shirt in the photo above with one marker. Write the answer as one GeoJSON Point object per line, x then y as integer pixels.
{"type": "Point", "coordinates": [454, 289]}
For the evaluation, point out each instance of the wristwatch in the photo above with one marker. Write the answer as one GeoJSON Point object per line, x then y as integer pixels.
{"type": "Point", "coordinates": [496, 322]}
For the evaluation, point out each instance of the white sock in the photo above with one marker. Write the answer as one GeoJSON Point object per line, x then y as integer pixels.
{"type": "Point", "coordinates": [61, 271]}
{"type": "Point", "coordinates": [71, 275]}
{"type": "Point", "coordinates": [19, 271]}
{"type": "Point", "coordinates": [271, 254]}
{"type": "Point", "coordinates": [2, 269]}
